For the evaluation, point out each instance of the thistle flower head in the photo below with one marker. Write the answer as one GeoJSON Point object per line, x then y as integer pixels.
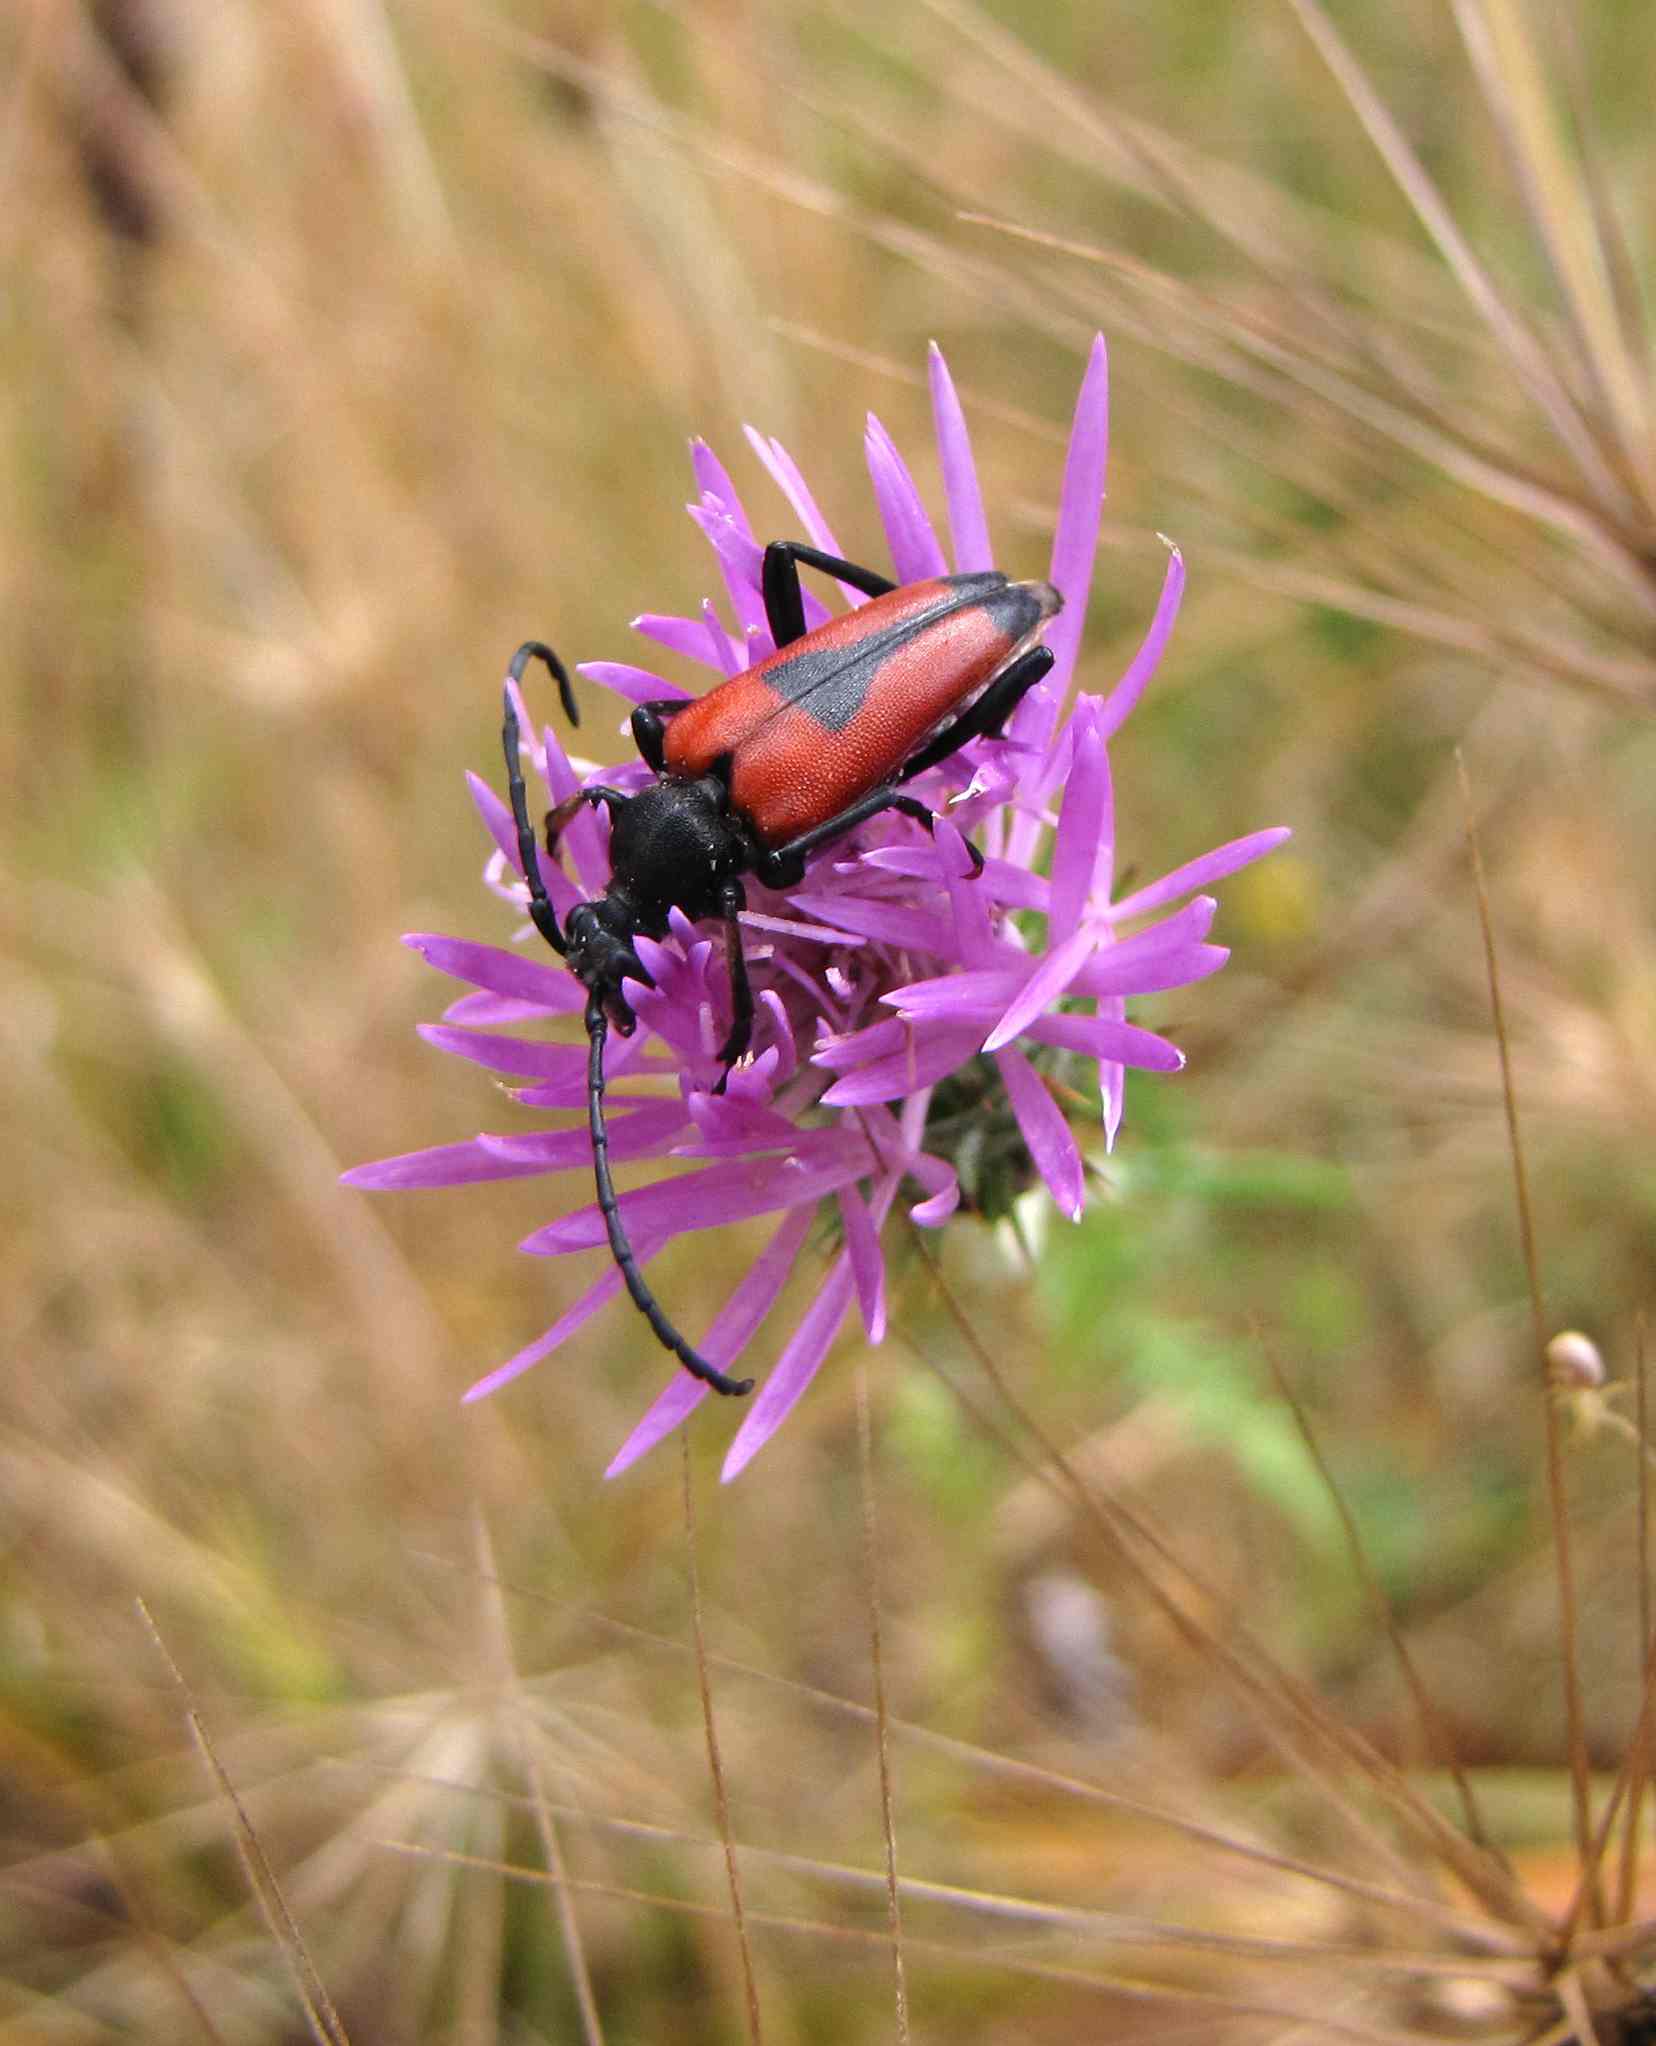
{"type": "Point", "coordinates": [911, 1015]}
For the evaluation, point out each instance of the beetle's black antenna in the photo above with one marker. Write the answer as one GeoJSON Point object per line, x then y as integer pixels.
{"type": "Point", "coordinates": [541, 913]}
{"type": "Point", "coordinates": [597, 1024]}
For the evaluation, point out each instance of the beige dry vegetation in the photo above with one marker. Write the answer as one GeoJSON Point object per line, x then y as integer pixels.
{"type": "Point", "coordinates": [342, 345]}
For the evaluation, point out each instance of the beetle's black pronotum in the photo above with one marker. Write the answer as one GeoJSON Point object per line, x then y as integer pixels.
{"type": "Point", "coordinates": [759, 774]}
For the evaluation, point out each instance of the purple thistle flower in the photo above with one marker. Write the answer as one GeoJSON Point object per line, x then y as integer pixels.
{"type": "Point", "coordinates": [897, 994]}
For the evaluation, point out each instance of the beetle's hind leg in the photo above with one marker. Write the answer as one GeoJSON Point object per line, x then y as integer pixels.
{"type": "Point", "coordinates": [986, 718]}
{"type": "Point", "coordinates": [785, 600]}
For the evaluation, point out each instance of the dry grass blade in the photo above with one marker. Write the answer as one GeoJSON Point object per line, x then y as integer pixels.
{"type": "Point", "coordinates": [1456, 1925]}
{"type": "Point", "coordinates": [1525, 353]}
{"type": "Point", "coordinates": [715, 1765]}
{"type": "Point", "coordinates": [324, 2021]}
{"type": "Point", "coordinates": [888, 1817]}
{"type": "Point", "coordinates": [1011, 1962]}
{"type": "Point", "coordinates": [1627, 1884]}
{"type": "Point", "coordinates": [1557, 1488]}
{"type": "Point", "coordinates": [500, 1645]}
{"type": "Point", "coordinates": [1515, 88]}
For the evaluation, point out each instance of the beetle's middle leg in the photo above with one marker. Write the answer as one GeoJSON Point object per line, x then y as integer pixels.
{"type": "Point", "coordinates": [784, 866]}
{"type": "Point", "coordinates": [732, 901]}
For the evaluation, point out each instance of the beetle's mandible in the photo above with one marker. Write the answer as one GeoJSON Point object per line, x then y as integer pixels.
{"type": "Point", "coordinates": [759, 774]}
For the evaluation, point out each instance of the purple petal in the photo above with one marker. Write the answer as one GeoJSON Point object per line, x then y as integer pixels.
{"type": "Point", "coordinates": [921, 1063]}
{"type": "Point", "coordinates": [915, 552]}
{"type": "Point", "coordinates": [784, 472]}
{"type": "Point", "coordinates": [1076, 539]}
{"type": "Point", "coordinates": [794, 1370]}
{"type": "Point", "coordinates": [890, 922]}
{"type": "Point", "coordinates": [1105, 975]}
{"type": "Point", "coordinates": [637, 685]}
{"type": "Point", "coordinates": [1106, 1036]}
{"type": "Point", "coordinates": [939, 1175]}
{"type": "Point", "coordinates": [496, 817]}
{"type": "Point", "coordinates": [1118, 705]}
{"type": "Point", "coordinates": [713, 480]}
{"type": "Point", "coordinates": [641, 1134]}
{"type": "Point", "coordinates": [1051, 1142]}
{"type": "Point", "coordinates": [964, 996]}
{"type": "Point", "coordinates": [1043, 987]}
{"type": "Point", "coordinates": [466, 1164]}
{"type": "Point", "coordinates": [503, 973]}
{"type": "Point", "coordinates": [741, 563]}
{"type": "Point", "coordinates": [585, 838]}
{"type": "Point", "coordinates": [968, 527]}
{"type": "Point", "coordinates": [825, 1161]}
{"type": "Point", "coordinates": [1213, 866]}
{"type": "Point", "coordinates": [596, 1296]}
{"type": "Point", "coordinates": [677, 1400]}
{"type": "Point", "coordinates": [728, 655]}
{"type": "Point", "coordinates": [729, 1336]}
{"type": "Point", "coordinates": [862, 1245]}
{"type": "Point", "coordinates": [686, 636]}
{"type": "Point", "coordinates": [523, 1055]}
{"type": "Point", "coordinates": [1086, 827]}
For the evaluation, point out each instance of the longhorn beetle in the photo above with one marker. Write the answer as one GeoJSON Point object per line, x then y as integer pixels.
{"type": "Point", "coordinates": [760, 773]}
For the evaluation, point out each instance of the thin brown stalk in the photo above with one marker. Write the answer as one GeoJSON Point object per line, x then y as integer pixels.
{"type": "Point", "coordinates": [1628, 1882]}
{"type": "Point", "coordinates": [325, 2023]}
{"type": "Point", "coordinates": [1573, 1997]}
{"type": "Point", "coordinates": [715, 1766]}
{"type": "Point", "coordinates": [1586, 1889]}
{"type": "Point", "coordinates": [888, 1821]}
{"type": "Point", "coordinates": [1557, 1489]}
{"type": "Point", "coordinates": [499, 1645]}
{"type": "Point", "coordinates": [1439, 1743]}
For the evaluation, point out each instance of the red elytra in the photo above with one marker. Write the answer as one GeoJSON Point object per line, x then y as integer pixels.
{"type": "Point", "coordinates": [836, 713]}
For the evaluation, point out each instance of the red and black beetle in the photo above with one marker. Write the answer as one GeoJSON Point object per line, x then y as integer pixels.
{"type": "Point", "coordinates": [761, 772]}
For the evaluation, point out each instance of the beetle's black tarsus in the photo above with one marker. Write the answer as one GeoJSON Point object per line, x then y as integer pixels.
{"type": "Point", "coordinates": [785, 600]}
{"type": "Point", "coordinates": [597, 1025]}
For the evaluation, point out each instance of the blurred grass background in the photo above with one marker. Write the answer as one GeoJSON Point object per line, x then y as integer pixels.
{"type": "Point", "coordinates": [343, 346]}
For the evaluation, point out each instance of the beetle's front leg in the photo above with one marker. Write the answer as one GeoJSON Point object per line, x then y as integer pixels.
{"type": "Point", "coordinates": [649, 728]}
{"type": "Point", "coordinates": [785, 600]}
{"type": "Point", "coordinates": [557, 820]}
